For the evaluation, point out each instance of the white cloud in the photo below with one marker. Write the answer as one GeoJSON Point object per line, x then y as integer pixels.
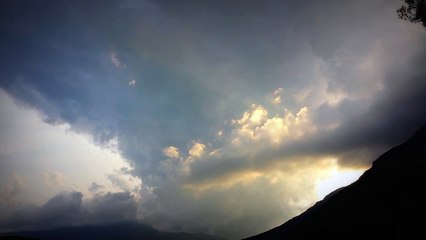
{"type": "Point", "coordinates": [126, 182]}
{"type": "Point", "coordinates": [197, 149]}
{"type": "Point", "coordinates": [115, 60]}
{"type": "Point", "coordinates": [171, 152]}
{"type": "Point", "coordinates": [53, 158]}
{"type": "Point", "coordinates": [255, 125]}
{"type": "Point", "coordinates": [132, 82]}
{"type": "Point", "coordinates": [277, 96]}
{"type": "Point", "coordinates": [54, 178]}
{"type": "Point", "coordinates": [219, 133]}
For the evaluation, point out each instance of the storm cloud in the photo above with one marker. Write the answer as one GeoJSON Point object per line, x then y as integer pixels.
{"type": "Point", "coordinates": [68, 209]}
{"type": "Point", "coordinates": [229, 113]}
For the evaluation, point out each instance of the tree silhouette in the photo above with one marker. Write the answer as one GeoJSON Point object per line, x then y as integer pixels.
{"type": "Point", "coordinates": [413, 11]}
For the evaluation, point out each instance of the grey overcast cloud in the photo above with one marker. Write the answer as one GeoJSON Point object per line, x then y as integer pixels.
{"type": "Point", "coordinates": [220, 117]}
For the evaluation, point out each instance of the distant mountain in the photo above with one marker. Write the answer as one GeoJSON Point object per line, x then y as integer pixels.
{"type": "Point", "coordinates": [123, 230]}
{"type": "Point", "coordinates": [16, 238]}
{"type": "Point", "coordinates": [387, 202]}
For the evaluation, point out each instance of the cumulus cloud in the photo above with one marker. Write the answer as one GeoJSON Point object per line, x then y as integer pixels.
{"type": "Point", "coordinates": [256, 125]}
{"type": "Point", "coordinates": [125, 182]}
{"type": "Point", "coordinates": [171, 152]}
{"type": "Point", "coordinates": [235, 172]}
{"type": "Point", "coordinates": [277, 96]}
{"type": "Point", "coordinates": [197, 150]}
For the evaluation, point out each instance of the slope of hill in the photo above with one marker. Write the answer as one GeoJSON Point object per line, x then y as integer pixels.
{"type": "Point", "coordinates": [387, 202]}
{"type": "Point", "coordinates": [123, 230]}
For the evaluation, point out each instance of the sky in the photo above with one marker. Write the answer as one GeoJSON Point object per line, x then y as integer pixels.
{"type": "Point", "coordinates": [220, 117]}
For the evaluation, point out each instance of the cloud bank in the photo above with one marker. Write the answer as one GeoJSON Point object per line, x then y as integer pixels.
{"type": "Point", "coordinates": [229, 114]}
{"type": "Point", "coordinates": [68, 209]}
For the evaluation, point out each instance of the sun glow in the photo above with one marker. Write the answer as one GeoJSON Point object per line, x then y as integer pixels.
{"type": "Point", "coordinates": [338, 178]}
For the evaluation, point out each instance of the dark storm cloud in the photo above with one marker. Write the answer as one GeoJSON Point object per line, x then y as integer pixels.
{"type": "Point", "coordinates": [68, 209]}
{"type": "Point", "coordinates": [395, 113]}
{"type": "Point", "coordinates": [60, 65]}
{"type": "Point", "coordinates": [111, 207]}
{"type": "Point", "coordinates": [197, 64]}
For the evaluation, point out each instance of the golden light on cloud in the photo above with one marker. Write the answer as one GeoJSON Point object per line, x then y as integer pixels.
{"type": "Point", "coordinates": [224, 182]}
{"type": "Point", "coordinates": [243, 165]}
{"type": "Point", "coordinates": [256, 116]}
{"type": "Point", "coordinates": [171, 152]}
{"type": "Point", "coordinates": [197, 149]}
{"type": "Point", "coordinates": [255, 125]}
{"type": "Point", "coordinates": [277, 96]}
{"type": "Point", "coordinates": [299, 182]}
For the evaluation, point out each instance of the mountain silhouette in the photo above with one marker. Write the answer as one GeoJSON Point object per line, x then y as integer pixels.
{"type": "Point", "coordinates": [387, 202]}
{"type": "Point", "coordinates": [122, 230]}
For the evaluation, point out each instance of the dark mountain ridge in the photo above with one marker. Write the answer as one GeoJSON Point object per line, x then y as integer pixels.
{"type": "Point", "coordinates": [122, 230]}
{"type": "Point", "coordinates": [387, 202]}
